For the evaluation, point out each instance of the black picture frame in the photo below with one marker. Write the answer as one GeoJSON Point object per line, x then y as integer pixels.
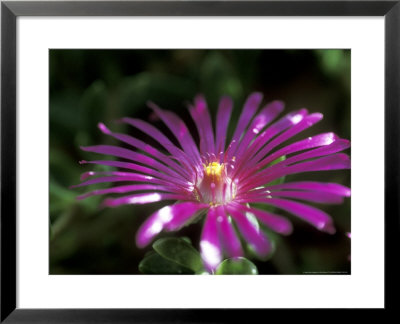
{"type": "Point", "coordinates": [10, 10]}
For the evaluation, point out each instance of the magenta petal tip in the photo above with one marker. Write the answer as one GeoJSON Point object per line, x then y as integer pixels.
{"type": "Point", "coordinates": [257, 96]}
{"type": "Point", "coordinates": [152, 105]}
{"type": "Point", "coordinates": [86, 175]}
{"type": "Point", "coordinates": [103, 128]}
{"type": "Point", "coordinates": [328, 228]}
{"type": "Point", "coordinates": [107, 203]}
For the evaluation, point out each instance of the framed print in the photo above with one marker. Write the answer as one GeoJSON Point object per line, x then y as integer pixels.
{"type": "Point", "coordinates": [161, 159]}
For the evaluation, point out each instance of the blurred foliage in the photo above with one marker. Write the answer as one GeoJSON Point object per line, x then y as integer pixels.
{"type": "Point", "coordinates": [92, 86]}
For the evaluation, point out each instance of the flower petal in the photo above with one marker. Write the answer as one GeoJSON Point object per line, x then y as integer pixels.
{"type": "Point", "coordinates": [141, 199]}
{"type": "Point", "coordinates": [332, 162]}
{"type": "Point", "coordinates": [129, 155]}
{"type": "Point", "coordinates": [256, 238]}
{"type": "Point", "coordinates": [305, 123]}
{"type": "Point", "coordinates": [120, 176]}
{"type": "Point", "coordinates": [306, 144]}
{"type": "Point", "coordinates": [120, 164]}
{"type": "Point", "coordinates": [182, 213]}
{"type": "Point", "coordinates": [275, 222]}
{"type": "Point", "coordinates": [202, 119]}
{"type": "Point", "coordinates": [153, 225]}
{"type": "Point", "coordinates": [134, 142]}
{"type": "Point", "coordinates": [326, 163]}
{"type": "Point", "coordinates": [170, 217]}
{"type": "Point", "coordinates": [123, 189]}
{"type": "Point", "coordinates": [249, 109]}
{"type": "Point", "coordinates": [263, 118]}
{"type": "Point", "coordinates": [140, 168]}
{"type": "Point", "coordinates": [223, 118]}
{"type": "Point", "coordinates": [262, 139]}
{"type": "Point", "coordinates": [336, 146]}
{"type": "Point", "coordinates": [312, 196]}
{"type": "Point", "coordinates": [312, 215]}
{"type": "Point", "coordinates": [227, 233]}
{"type": "Point", "coordinates": [210, 247]}
{"type": "Point", "coordinates": [153, 132]}
{"type": "Point", "coordinates": [333, 188]}
{"type": "Point", "coordinates": [179, 129]}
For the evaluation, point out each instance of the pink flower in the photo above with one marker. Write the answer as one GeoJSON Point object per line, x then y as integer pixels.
{"type": "Point", "coordinates": [223, 181]}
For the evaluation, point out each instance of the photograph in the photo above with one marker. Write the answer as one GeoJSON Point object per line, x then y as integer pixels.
{"type": "Point", "coordinates": [199, 161]}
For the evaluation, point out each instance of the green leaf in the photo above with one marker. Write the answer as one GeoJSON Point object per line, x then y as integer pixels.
{"type": "Point", "coordinates": [180, 251]}
{"type": "Point", "coordinates": [154, 263]}
{"type": "Point", "coordinates": [237, 265]}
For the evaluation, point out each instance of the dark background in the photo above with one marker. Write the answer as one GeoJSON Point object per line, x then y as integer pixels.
{"type": "Point", "coordinates": [89, 86]}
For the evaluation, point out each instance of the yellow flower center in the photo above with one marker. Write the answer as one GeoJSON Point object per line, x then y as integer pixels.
{"type": "Point", "coordinates": [214, 170]}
